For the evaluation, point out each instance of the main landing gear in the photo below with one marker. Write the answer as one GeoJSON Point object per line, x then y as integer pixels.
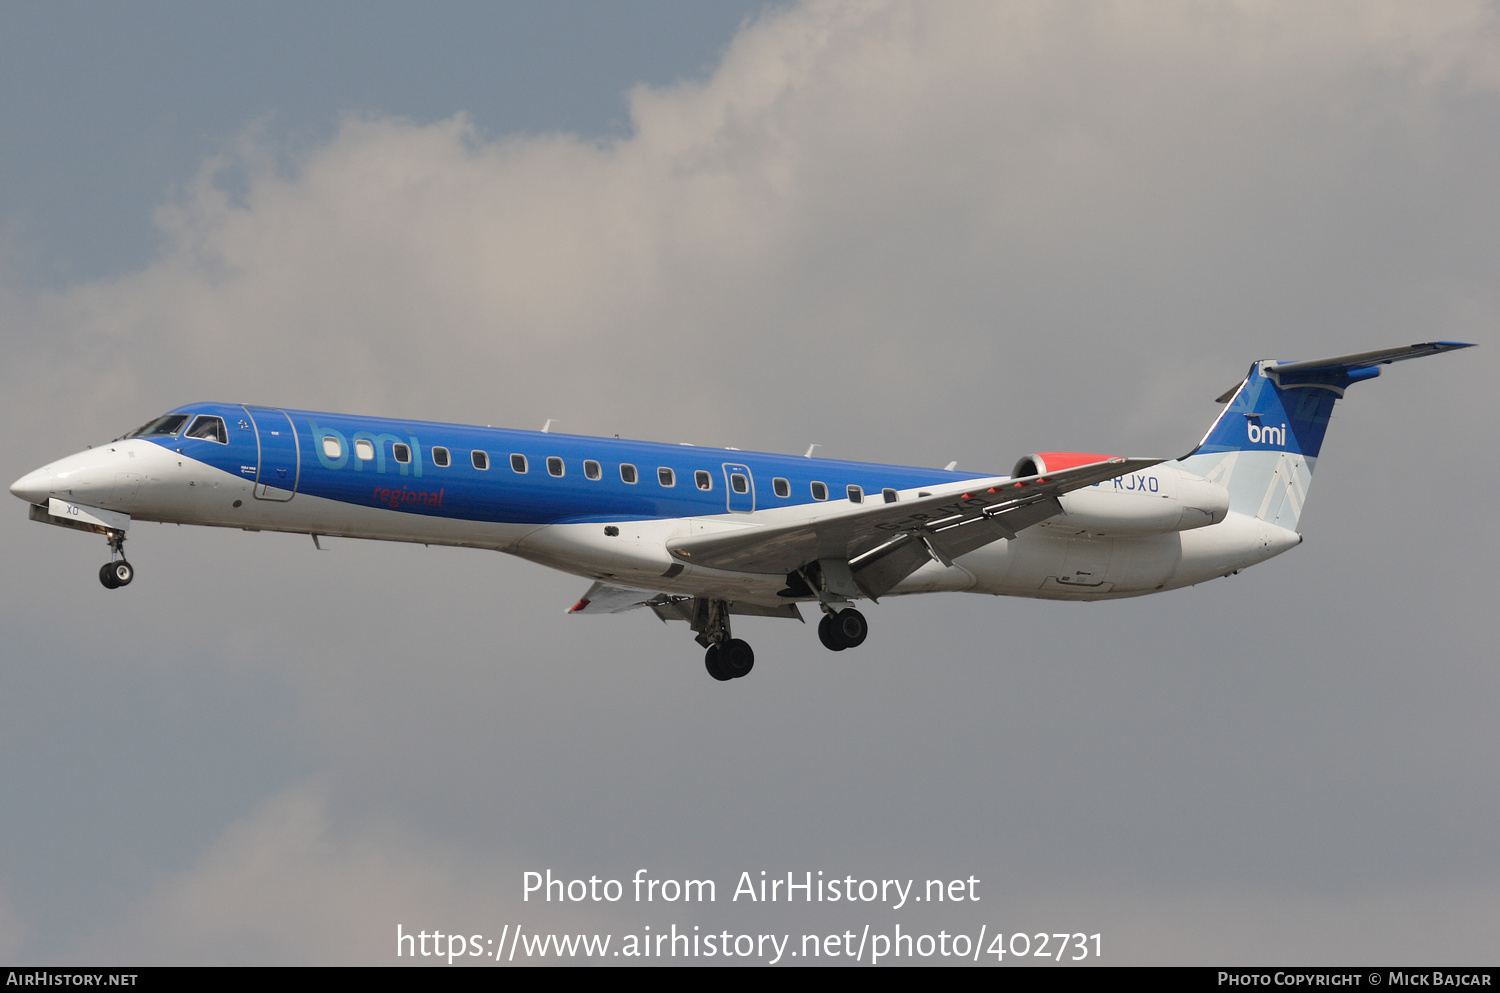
{"type": "Point", "coordinates": [728, 658]}
{"type": "Point", "coordinates": [116, 572]}
{"type": "Point", "coordinates": [724, 657]}
{"type": "Point", "coordinates": [842, 629]}
{"type": "Point", "coordinates": [731, 660]}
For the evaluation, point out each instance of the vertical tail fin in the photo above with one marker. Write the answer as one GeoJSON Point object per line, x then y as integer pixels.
{"type": "Point", "coordinates": [1265, 443]}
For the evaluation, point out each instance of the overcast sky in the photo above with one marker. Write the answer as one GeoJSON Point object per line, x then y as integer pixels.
{"type": "Point", "coordinates": [907, 232]}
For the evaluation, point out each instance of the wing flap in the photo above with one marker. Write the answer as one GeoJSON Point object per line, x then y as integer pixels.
{"type": "Point", "coordinates": [880, 569]}
{"type": "Point", "coordinates": [606, 598]}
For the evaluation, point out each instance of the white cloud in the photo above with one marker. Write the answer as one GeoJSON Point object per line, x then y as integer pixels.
{"type": "Point", "coordinates": [859, 194]}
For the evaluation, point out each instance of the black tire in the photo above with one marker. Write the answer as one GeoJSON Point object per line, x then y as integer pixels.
{"type": "Point", "coordinates": [828, 635]}
{"type": "Point", "coordinates": [107, 575]}
{"type": "Point", "coordinates": [711, 663]}
{"type": "Point", "coordinates": [123, 571]}
{"type": "Point", "coordinates": [852, 627]}
{"type": "Point", "coordinates": [736, 658]}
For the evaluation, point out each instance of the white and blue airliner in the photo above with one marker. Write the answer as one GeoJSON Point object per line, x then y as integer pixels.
{"type": "Point", "coordinates": [702, 535]}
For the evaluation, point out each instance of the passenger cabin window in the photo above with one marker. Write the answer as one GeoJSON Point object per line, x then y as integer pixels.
{"type": "Point", "coordinates": [704, 480]}
{"type": "Point", "coordinates": [666, 476]}
{"type": "Point", "coordinates": [591, 469]}
{"type": "Point", "coordinates": [365, 449]}
{"type": "Point", "coordinates": [554, 465]}
{"type": "Point", "coordinates": [480, 460]}
{"type": "Point", "coordinates": [440, 457]}
{"type": "Point", "coordinates": [820, 491]}
{"type": "Point", "coordinates": [890, 495]}
{"type": "Point", "coordinates": [627, 473]}
{"type": "Point", "coordinates": [782, 487]}
{"type": "Point", "coordinates": [331, 447]}
{"type": "Point", "coordinates": [402, 452]}
{"type": "Point", "coordinates": [167, 424]}
{"type": "Point", "coordinates": [856, 495]}
{"type": "Point", "coordinates": [209, 429]}
{"type": "Point", "coordinates": [739, 483]}
{"type": "Point", "coordinates": [518, 463]}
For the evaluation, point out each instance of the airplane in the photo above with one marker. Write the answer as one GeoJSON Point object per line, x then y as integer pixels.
{"type": "Point", "coordinates": [703, 534]}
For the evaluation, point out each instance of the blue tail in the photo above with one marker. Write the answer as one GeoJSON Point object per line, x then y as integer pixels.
{"type": "Point", "coordinates": [1265, 443]}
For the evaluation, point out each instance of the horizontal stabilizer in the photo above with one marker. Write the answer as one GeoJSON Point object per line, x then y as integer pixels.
{"type": "Point", "coordinates": [1341, 370]}
{"type": "Point", "coordinates": [1365, 360]}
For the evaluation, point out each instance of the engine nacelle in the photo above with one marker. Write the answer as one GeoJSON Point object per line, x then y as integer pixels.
{"type": "Point", "coordinates": [1038, 463]}
{"type": "Point", "coordinates": [1158, 500]}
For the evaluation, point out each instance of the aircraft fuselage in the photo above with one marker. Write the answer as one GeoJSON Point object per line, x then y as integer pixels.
{"type": "Point", "coordinates": [358, 477]}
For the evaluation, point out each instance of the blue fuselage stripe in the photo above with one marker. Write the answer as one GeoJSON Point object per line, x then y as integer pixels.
{"type": "Point", "coordinates": [498, 494]}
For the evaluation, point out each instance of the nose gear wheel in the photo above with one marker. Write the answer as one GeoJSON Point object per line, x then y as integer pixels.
{"type": "Point", "coordinates": [116, 572]}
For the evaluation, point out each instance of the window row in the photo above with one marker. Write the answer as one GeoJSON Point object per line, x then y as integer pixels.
{"type": "Point", "coordinates": [211, 428]}
{"type": "Point", "coordinates": [364, 449]}
{"type": "Point", "coordinates": [856, 494]}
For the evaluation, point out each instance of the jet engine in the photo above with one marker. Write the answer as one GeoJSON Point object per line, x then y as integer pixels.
{"type": "Point", "coordinates": [1158, 500]}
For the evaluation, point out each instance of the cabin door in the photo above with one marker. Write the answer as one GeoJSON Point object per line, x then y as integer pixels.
{"type": "Point", "coordinates": [741, 487]}
{"type": "Point", "coordinates": [279, 461]}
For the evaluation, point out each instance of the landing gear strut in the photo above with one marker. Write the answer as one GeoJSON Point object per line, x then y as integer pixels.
{"type": "Point", "coordinates": [724, 657]}
{"type": "Point", "coordinates": [843, 629]}
{"type": "Point", "coordinates": [116, 572]}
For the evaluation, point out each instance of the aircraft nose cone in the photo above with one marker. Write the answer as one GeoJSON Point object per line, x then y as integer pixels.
{"type": "Point", "coordinates": [34, 487]}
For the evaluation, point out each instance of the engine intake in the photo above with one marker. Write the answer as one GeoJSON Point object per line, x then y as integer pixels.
{"type": "Point", "coordinates": [1040, 463]}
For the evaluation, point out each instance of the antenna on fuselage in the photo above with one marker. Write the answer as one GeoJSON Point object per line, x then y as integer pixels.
{"type": "Point", "coordinates": [951, 466]}
{"type": "Point", "coordinates": [547, 428]}
{"type": "Point", "coordinates": [808, 454]}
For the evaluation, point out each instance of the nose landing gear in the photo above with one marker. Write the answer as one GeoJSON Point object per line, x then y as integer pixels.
{"type": "Point", "coordinates": [116, 572]}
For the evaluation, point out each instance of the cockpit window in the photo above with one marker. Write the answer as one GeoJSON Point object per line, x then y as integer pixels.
{"type": "Point", "coordinates": [209, 429]}
{"type": "Point", "coordinates": [167, 424]}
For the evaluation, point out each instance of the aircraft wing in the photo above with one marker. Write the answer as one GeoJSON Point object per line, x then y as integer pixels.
{"type": "Point", "coordinates": [865, 549]}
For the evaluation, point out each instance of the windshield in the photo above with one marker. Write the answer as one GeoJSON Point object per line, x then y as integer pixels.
{"type": "Point", "coordinates": [167, 424]}
{"type": "Point", "coordinates": [209, 428]}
